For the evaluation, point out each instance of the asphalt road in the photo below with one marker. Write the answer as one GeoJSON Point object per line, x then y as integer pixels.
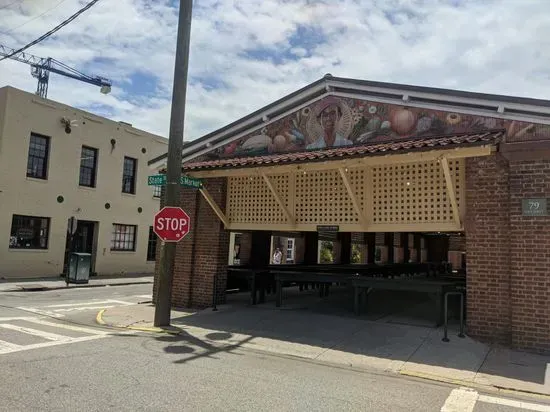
{"type": "Point", "coordinates": [53, 357]}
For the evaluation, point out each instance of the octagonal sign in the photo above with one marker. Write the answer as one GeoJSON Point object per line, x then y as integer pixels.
{"type": "Point", "coordinates": [171, 224]}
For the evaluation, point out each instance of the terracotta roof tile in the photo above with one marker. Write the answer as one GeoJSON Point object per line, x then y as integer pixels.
{"type": "Point", "coordinates": [492, 136]}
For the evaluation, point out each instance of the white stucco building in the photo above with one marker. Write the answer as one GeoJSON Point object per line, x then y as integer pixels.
{"type": "Point", "coordinates": [56, 162]}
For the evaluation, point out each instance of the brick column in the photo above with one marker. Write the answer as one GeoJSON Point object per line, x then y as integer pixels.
{"type": "Point", "coordinates": [201, 257]}
{"type": "Point", "coordinates": [530, 257]}
{"type": "Point", "coordinates": [488, 248]}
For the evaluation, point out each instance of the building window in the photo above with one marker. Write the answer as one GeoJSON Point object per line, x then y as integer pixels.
{"type": "Point", "coordinates": [129, 175]}
{"type": "Point", "coordinates": [29, 232]}
{"type": "Point", "coordinates": [37, 162]}
{"type": "Point", "coordinates": [157, 191]}
{"type": "Point", "coordinates": [88, 167]}
{"type": "Point", "coordinates": [290, 251]}
{"type": "Point", "coordinates": [123, 237]}
{"type": "Point", "coordinates": [151, 245]}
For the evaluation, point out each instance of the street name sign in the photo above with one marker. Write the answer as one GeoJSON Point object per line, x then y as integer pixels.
{"type": "Point", "coordinates": [160, 180]}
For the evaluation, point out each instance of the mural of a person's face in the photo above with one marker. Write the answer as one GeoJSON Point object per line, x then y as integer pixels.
{"type": "Point", "coordinates": [330, 116]}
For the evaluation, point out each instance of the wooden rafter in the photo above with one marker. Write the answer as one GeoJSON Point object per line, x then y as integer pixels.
{"type": "Point", "coordinates": [275, 194]}
{"type": "Point", "coordinates": [353, 197]}
{"type": "Point", "coordinates": [451, 191]}
{"type": "Point", "coordinates": [214, 206]}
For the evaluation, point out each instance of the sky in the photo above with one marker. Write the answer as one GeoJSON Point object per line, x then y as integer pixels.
{"type": "Point", "coordinates": [247, 53]}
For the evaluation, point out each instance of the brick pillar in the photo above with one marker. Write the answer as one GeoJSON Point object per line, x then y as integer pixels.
{"type": "Point", "coordinates": [371, 247]}
{"type": "Point", "coordinates": [388, 242]}
{"type": "Point", "coordinates": [299, 244]}
{"type": "Point", "coordinates": [530, 257]}
{"type": "Point", "coordinates": [311, 240]}
{"type": "Point", "coordinates": [344, 241]}
{"type": "Point", "coordinates": [457, 248]}
{"type": "Point", "coordinates": [246, 247]}
{"type": "Point", "coordinates": [260, 249]}
{"type": "Point", "coordinates": [487, 248]}
{"type": "Point", "coordinates": [201, 257]}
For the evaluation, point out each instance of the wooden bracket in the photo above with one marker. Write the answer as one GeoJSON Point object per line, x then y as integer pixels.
{"type": "Point", "coordinates": [275, 194]}
{"type": "Point", "coordinates": [353, 197]}
{"type": "Point", "coordinates": [214, 207]}
{"type": "Point", "coordinates": [451, 191]}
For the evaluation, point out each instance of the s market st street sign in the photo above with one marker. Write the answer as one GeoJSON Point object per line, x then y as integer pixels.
{"type": "Point", "coordinates": [160, 180]}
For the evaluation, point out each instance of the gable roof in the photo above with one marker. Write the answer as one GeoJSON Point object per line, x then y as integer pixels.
{"type": "Point", "coordinates": [509, 107]}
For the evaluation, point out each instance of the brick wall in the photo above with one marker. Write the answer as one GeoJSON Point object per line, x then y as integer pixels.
{"type": "Point", "coordinates": [488, 248]}
{"type": "Point", "coordinates": [530, 257]}
{"type": "Point", "coordinates": [202, 255]}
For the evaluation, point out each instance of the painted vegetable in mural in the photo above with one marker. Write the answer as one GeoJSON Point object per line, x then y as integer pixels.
{"type": "Point", "coordinates": [337, 122]}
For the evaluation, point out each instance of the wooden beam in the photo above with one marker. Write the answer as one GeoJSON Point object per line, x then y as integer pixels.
{"type": "Point", "coordinates": [451, 191]}
{"type": "Point", "coordinates": [275, 194]}
{"type": "Point", "coordinates": [214, 207]}
{"type": "Point", "coordinates": [372, 160]}
{"type": "Point", "coordinates": [353, 197]}
{"type": "Point", "coordinates": [348, 227]}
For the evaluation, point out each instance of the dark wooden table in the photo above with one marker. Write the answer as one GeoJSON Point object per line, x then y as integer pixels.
{"type": "Point", "coordinates": [258, 279]}
{"type": "Point", "coordinates": [362, 285]}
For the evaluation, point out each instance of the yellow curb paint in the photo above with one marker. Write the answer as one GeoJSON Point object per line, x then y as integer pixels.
{"type": "Point", "coordinates": [489, 388]}
{"type": "Point", "coordinates": [99, 320]}
{"type": "Point", "coordinates": [99, 317]}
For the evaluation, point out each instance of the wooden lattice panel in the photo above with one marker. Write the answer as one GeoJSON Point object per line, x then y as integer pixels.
{"type": "Point", "coordinates": [414, 193]}
{"type": "Point", "coordinates": [322, 198]}
{"type": "Point", "coordinates": [249, 199]}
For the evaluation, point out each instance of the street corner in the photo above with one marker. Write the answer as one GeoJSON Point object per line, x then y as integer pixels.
{"type": "Point", "coordinates": [135, 317]}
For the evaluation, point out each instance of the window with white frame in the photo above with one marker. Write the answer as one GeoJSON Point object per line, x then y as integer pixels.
{"type": "Point", "coordinates": [123, 237]}
{"type": "Point", "coordinates": [290, 251]}
{"type": "Point", "coordinates": [157, 191]}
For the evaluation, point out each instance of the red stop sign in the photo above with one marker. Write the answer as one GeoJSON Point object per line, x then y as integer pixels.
{"type": "Point", "coordinates": [171, 224]}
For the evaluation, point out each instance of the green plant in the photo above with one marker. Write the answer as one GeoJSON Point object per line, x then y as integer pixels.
{"type": "Point", "coordinates": [326, 252]}
{"type": "Point", "coordinates": [355, 253]}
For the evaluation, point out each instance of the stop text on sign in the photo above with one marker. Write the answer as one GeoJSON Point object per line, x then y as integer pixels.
{"type": "Point", "coordinates": [174, 224]}
{"type": "Point", "coordinates": [171, 224]}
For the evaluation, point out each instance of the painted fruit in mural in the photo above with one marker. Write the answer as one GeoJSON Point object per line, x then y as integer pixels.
{"type": "Point", "coordinates": [402, 121]}
{"type": "Point", "coordinates": [357, 122]}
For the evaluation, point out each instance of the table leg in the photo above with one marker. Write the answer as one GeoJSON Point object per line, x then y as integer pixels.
{"type": "Point", "coordinates": [253, 288]}
{"type": "Point", "coordinates": [279, 293]}
{"type": "Point", "coordinates": [356, 300]}
{"type": "Point", "coordinates": [439, 309]}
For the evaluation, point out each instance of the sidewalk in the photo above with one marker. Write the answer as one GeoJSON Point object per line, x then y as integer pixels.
{"type": "Point", "coordinates": [347, 341]}
{"type": "Point", "coordinates": [41, 284]}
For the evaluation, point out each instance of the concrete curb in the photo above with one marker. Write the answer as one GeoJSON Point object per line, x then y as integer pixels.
{"type": "Point", "coordinates": [475, 385]}
{"type": "Point", "coordinates": [46, 288]}
{"type": "Point", "coordinates": [172, 330]}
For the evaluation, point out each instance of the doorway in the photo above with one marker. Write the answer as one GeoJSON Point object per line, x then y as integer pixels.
{"type": "Point", "coordinates": [84, 242]}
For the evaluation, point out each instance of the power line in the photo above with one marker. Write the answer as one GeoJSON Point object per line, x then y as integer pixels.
{"type": "Point", "coordinates": [52, 31]}
{"type": "Point", "coordinates": [34, 18]}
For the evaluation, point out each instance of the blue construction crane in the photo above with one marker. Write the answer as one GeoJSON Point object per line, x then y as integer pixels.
{"type": "Point", "coordinates": [41, 68]}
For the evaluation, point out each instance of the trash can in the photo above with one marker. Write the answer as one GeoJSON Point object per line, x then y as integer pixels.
{"type": "Point", "coordinates": [79, 268]}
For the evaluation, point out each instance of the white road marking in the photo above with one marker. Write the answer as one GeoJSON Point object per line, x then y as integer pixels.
{"type": "Point", "coordinates": [6, 347]}
{"type": "Point", "coordinates": [69, 327]}
{"type": "Point", "coordinates": [40, 311]}
{"type": "Point", "coordinates": [35, 332]}
{"type": "Point", "coordinates": [48, 344]}
{"type": "Point", "coordinates": [94, 302]}
{"type": "Point", "coordinates": [57, 310]}
{"type": "Point", "coordinates": [9, 318]}
{"type": "Point", "coordinates": [143, 296]}
{"type": "Point", "coordinates": [460, 400]}
{"type": "Point", "coordinates": [514, 404]}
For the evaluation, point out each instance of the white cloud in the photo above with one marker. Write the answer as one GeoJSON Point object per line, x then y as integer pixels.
{"type": "Point", "coordinates": [247, 53]}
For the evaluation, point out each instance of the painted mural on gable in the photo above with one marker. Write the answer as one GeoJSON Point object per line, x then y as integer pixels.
{"type": "Point", "coordinates": [336, 122]}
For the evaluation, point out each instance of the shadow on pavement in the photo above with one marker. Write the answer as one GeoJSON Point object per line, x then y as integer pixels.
{"type": "Point", "coordinates": [396, 333]}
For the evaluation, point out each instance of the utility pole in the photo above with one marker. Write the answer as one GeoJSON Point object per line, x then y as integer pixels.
{"type": "Point", "coordinates": [173, 173]}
